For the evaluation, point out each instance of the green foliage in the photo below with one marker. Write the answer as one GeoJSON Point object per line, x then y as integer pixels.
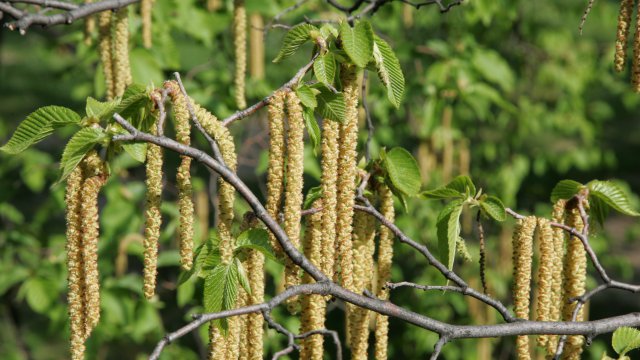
{"type": "Point", "coordinates": [624, 340]}
{"type": "Point", "coordinates": [221, 290]}
{"type": "Point", "coordinates": [357, 42]}
{"type": "Point", "coordinates": [448, 230]}
{"type": "Point", "coordinates": [295, 38]}
{"type": "Point", "coordinates": [331, 105]}
{"type": "Point", "coordinates": [78, 146]}
{"type": "Point", "coordinates": [389, 71]}
{"type": "Point", "coordinates": [402, 171]}
{"type": "Point", "coordinates": [324, 68]}
{"type": "Point", "coordinates": [256, 239]}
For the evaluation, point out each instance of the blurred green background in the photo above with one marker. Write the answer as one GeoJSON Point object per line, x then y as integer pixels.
{"type": "Point", "coordinates": [507, 91]}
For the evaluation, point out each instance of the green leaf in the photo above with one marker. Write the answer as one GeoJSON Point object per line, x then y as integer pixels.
{"type": "Point", "coordinates": [327, 30]}
{"type": "Point", "coordinates": [442, 193]}
{"type": "Point", "coordinates": [389, 70]}
{"type": "Point", "coordinates": [138, 151]}
{"type": "Point", "coordinates": [493, 207]}
{"type": "Point", "coordinates": [206, 255]}
{"type": "Point", "coordinates": [312, 129]}
{"type": "Point", "coordinates": [38, 125]}
{"type": "Point", "coordinates": [78, 146]}
{"type": "Point", "coordinates": [256, 239]}
{"type": "Point", "coordinates": [612, 195]}
{"type": "Point", "coordinates": [403, 171]}
{"type": "Point", "coordinates": [221, 290]}
{"type": "Point", "coordinates": [134, 100]}
{"type": "Point", "coordinates": [314, 194]}
{"type": "Point", "coordinates": [331, 106]}
{"type": "Point", "coordinates": [462, 184]}
{"type": "Point", "coordinates": [599, 209]}
{"type": "Point", "coordinates": [357, 42]}
{"type": "Point", "coordinates": [307, 96]}
{"type": "Point", "coordinates": [625, 339]}
{"type": "Point", "coordinates": [448, 230]}
{"type": "Point", "coordinates": [39, 294]}
{"type": "Point", "coordinates": [100, 110]}
{"type": "Point", "coordinates": [297, 36]}
{"type": "Point", "coordinates": [325, 68]}
{"type": "Point", "coordinates": [242, 277]}
{"type": "Point", "coordinates": [565, 189]}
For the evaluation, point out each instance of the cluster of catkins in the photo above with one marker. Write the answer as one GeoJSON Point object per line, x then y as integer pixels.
{"type": "Point", "coordinates": [561, 275]}
{"type": "Point", "coordinates": [624, 23]}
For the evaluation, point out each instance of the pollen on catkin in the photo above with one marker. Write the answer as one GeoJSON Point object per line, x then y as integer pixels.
{"type": "Point", "coordinates": [624, 22]}
{"type": "Point", "coordinates": [328, 182]}
{"type": "Point", "coordinates": [240, 45]}
{"type": "Point", "coordinates": [522, 259]}
{"type": "Point", "coordinates": [275, 168]}
{"type": "Point", "coordinates": [635, 66]}
{"type": "Point", "coordinates": [385, 257]}
{"type": "Point", "coordinates": [556, 284]}
{"type": "Point", "coordinates": [121, 67]}
{"type": "Point", "coordinates": [146, 7]}
{"type": "Point", "coordinates": [153, 218]}
{"type": "Point", "coordinates": [545, 274]}
{"type": "Point", "coordinates": [105, 50]}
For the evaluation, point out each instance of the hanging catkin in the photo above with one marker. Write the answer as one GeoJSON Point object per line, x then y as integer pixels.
{"type": "Point", "coordinates": [556, 289]}
{"type": "Point", "coordinates": [328, 182]}
{"type": "Point", "coordinates": [153, 218]}
{"type": "Point", "coordinates": [313, 306]}
{"type": "Point", "coordinates": [522, 258]}
{"type": "Point", "coordinates": [183, 175]}
{"type": "Point", "coordinates": [106, 51]}
{"type": "Point", "coordinates": [240, 45]}
{"type": "Point", "coordinates": [75, 265]}
{"type": "Point", "coordinates": [256, 46]}
{"type": "Point", "coordinates": [275, 169]}
{"type": "Point", "coordinates": [635, 66]}
{"type": "Point", "coordinates": [624, 22]}
{"type": "Point", "coordinates": [545, 274]}
{"type": "Point", "coordinates": [293, 190]}
{"type": "Point", "coordinates": [89, 27]}
{"type": "Point", "coordinates": [121, 67]}
{"type": "Point", "coordinates": [385, 256]}
{"type": "Point", "coordinates": [146, 7]}
{"type": "Point", "coordinates": [575, 273]}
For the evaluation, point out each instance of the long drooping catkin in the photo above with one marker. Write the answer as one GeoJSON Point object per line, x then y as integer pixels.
{"type": "Point", "coordinates": [75, 265]}
{"type": "Point", "coordinates": [522, 259]}
{"type": "Point", "coordinates": [293, 190]}
{"type": "Point", "coordinates": [575, 274]}
{"type": "Point", "coordinates": [545, 274]}
{"type": "Point", "coordinates": [153, 218]}
{"type": "Point", "coordinates": [183, 175]}
{"type": "Point", "coordinates": [146, 7]}
{"type": "Point", "coordinates": [624, 22]}
{"type": "Point", "coordinates": [385, 256]}
{"type": "Point", "coordinates": [89, 27]}
{"type": "Point", "coordinates": [121, 67]}
{"type": "Point", "coordinates": [313, 306]}
{"type": "Point", "coordinates": [275, 169]}
{"type": "Point", "coordinates": [556, 288]}
{"type": "Point", "coordinates": [240, 45]}
{"type": "Point", "coordinates": [256, 46]}
{"type": "Point", "coordinates": [328, 181]}
{"type": "Point", "coordinates": [106, 51]}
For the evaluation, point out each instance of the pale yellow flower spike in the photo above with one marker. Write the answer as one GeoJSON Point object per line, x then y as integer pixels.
{"type": "Point", "coordinates": [313, 306]}
{"type": "Point", "coordinates": [146, 7]}
{"type": "Point", "coordinates": [153, 218]}
{"type": "Point", "coordinates": [522, 258]}
{"type": "Point", "coordinates": [275, 168]}
{"type": "Point", "coordinates": [106, 52]}
{"type": "Point", "coordinates": [75, 265]}
{"type": "Point", "coordinates": [635, 66]}
{"type": "Point", "coordinates": [624, 22]}
{"type": "Point", "coordinates": [293, 191]}
{"type": "Point", "coordinates": [251, 329]}
{"type": "Point", "coordinates": [328, 182]}
{"type": "Point", "coordinates": [545, 275]}
{"type": "Point", "coordinates": [240, 45]}
{"type": "Point", "coordinates": [121, 67]}
{"type": "Point", "coordinates": [385, 256]}
{"type": "Point", "coordinates": [556, 287]}
{"type": "Point", "coordinates": [89, 27]}
{"type": "Point", "coordinates": [256, 45]}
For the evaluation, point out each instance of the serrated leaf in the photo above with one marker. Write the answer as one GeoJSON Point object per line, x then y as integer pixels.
{"type": "Point", "coordinates": [134, 100]}
{"type": "Point", "coordinates": [357, 42]}
{"type": "Point", "coordinates": [313, 194]}
{"type": "Point", "coordinates": [256, 239]}
{"type": "Point", "coordinates": [389, 70]}
{"type": "Point", "coordinates": [448, 230]}
{"type": "Point", "coordinates": [312, 129]}
{"type": "Point", "coordinates": [599, 209]}
{"type": "Point", "coordinates": [402, 170]}
{"type": "Point", "coordinates": [324, 67]}
{"type": "Point", "coordinates": [441, 193]}
{"type": "Point", "coordinates": [221, 290]}
{"type": "Point", "coordinates": [307, 96]}
{"type": "Point", "coordinates": [38, 125]}
{"type": "Point", "coordinates": [612, 195]}
{"type": "Point", "coordinates": [331, 106]}
{"type": "Point", "coordinates": [565, 189]}
{"type": "Point", "coordinates": [78, 146]}
{"type": "Point", "coordinates": [100, 110]}
{"type": "Point", "coordinates": [296, 37]}
{"type": "Point", "coordinates": [138, 151]}
{"type": "Point", "coordinates": [206, 254]}
{"type": "Point", "coordinates": [625, 339]}
{"type": "Point", "coordinates": [462, 184]}
{"type": "Point", "coordinates": [327, 30]}
{"type": "Point", "coordinates": [242, 277]}
{"type": "Point", "coordinates": [494, 208]}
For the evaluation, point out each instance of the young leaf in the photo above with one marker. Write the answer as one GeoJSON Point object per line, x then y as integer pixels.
{"type": "Point", "coordinates": [403, 171]}
{"type": "Point", "coordinates": [38, 125]}
{"type": "Point", "coordinates": [221, 290]}
{"type": "Point", "coordinates": [442, 193]}
{"type": "Point", "coordinates": [78, 146]}
{"type": "Point", "coordinates": [462, 184]}
{"type": "Point", "coordinates": [565, 189]}
{"type": "Point", "coordinates": [448, 230]}
{"type": "Point", "coordinates": [256, 239]}
{"type": "Point", "coordinates": [612, 195]}
{"type": "Point", "coordinates": [599, 209]}
{"type": "Point", "coordinates": [331, 105]}
{"type": "Point", "coordinates": [206, 256]}
{"type": "Point", "coordinates": [138, 151]}
{"type": "Point", "coordinates": [307, 96]}
{"type": "Point", "coordinates": [242, 277]}
{"type": "Point", "coordinates": [312, 129]}
{"type": "Point", "coordinates": [314, 194]}
{"type": "Point", "coordinates": [327, 30]}
{"type": "Point", "coordinates": [134, 100]}
{"type": "Point", "coordinates": [100, 110]}
{"type": "Point", "coordinates": [357, 42]}
{"type": "Point", "coordinates": [297, 36]}
{"type": "Point", "coordinates": [324, 67]}
{"type": "Point", "coordinates": [493, 207]}
{"type": "Point", "coordinates": [389, 71]}
{"type": "Point", "coordinates": [625, 339]}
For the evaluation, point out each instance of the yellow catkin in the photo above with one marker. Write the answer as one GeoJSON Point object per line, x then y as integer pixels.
{"type": "Point", "coordinates": [146, 7]}
{"type": "Point", "coordinates": [385, 256]}
{"type": "Point", "coordinates": [213, 5]}
{"type": "Point", "coordinates": [313, 306]}
{"type": "Point", "coordinates": [575, 273]}
{"type": "Point", "coordinates": [545, 274]}
{"type": "Point", "coordinates": [293, 190]}
{"type": "Point", "coordinates": [256, 46]}
{"type": "Point", "coordinates": [89, 27]}
{"type": "Point", "coordinates": [153, 218]}
{"type": "Point", "coordinates": [106, 51]}
{"type": "Point", "coordinates": [275, 169]}
{"type": "Point", "coordinates": [121, 67]}
{"type": "Point", "coordinates": [240, 45]}
{"type": "Point", "coordinates": [183, 175]}
{"type": "Point", "coordinates": [556, 288]}
{"type": "Point", "coordinates": [522, 259]}
{"type": "Point", "coordinates": [75, 265]}
{"type": "Point", "coordinates": [624, 22]}
{"type": "Point", "coordinates": [94, 179]}
{"type": "Point", "coordinates": [328, 182]}
{"type": "Point", "coordinates": [635, 66]}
